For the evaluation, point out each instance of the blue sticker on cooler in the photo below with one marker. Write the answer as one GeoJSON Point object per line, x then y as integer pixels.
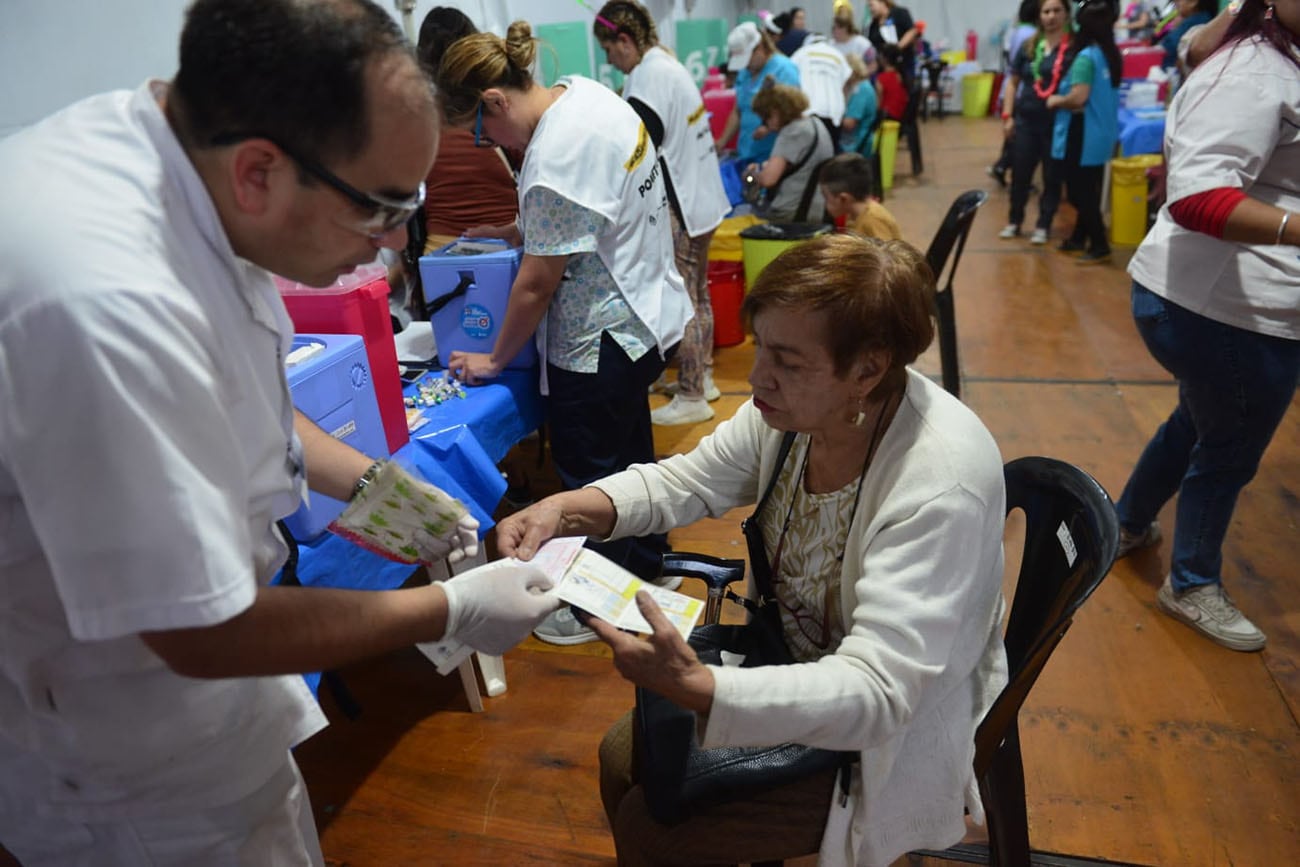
{"type": "Point", "coordinates": [476, 321]}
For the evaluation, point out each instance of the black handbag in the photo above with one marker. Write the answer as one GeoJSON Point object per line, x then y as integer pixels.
{"type": "Point", "coordinates": [678, 776]}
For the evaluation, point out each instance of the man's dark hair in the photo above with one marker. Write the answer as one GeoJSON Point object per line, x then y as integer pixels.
{"type": "Point", "coordinates": [290, 70]}
{"type": "Point", "coordinates": [1028, 13]}
{"type": "Point", "coordinates": [440, 28]}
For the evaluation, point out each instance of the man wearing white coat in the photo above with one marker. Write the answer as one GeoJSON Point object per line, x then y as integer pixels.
{"type": "Point", "coordinates": [148, 444]}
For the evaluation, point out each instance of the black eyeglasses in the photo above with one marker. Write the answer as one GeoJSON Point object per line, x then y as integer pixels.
{"type": "Point", "coordinates": [383, 214]}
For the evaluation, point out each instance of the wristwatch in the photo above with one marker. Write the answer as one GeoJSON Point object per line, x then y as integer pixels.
{"type": "Point", "coordinates": [367, 477]}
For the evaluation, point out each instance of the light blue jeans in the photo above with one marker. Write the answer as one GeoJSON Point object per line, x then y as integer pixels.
{"type": "Point", "coordinates": [1234, 387]}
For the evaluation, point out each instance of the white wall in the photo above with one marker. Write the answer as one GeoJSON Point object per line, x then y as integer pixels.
{"type": "Point", "coordinates": [53, 53]}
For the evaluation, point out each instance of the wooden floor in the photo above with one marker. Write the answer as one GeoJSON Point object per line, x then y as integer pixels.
{"type": "Point", "coordinates": [1143, 742]}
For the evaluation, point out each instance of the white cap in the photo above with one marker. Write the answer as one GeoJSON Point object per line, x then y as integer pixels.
{"type": "Point", "coordinates": [741, 42]}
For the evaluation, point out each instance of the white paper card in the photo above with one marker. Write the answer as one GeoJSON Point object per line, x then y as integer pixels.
{"type": "Point", "coordinates": [600, 587]}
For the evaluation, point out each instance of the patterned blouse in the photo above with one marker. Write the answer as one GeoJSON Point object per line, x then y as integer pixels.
{"type": "Point", "coordinates": [588, 301]}
{"type": "Point", "coordinates": [807, 574]}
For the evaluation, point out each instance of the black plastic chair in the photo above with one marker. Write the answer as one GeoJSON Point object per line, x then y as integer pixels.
{"type": "Point", "coordinates": [1058, 572]}
{"type": "Point", "coordinates": [1071, 537]}
{"type": "Point", "coordinates": [909, 128]}
{"type": "Point", "coordinates": [951, 239]}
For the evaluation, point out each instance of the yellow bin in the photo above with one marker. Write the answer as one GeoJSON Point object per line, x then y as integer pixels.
{"type": "Point", "coordinates": [725, 245]}
{"type": "Point", "coordinates": [887, 141]}
{"type": "Point", "coordinates": [976, 91]}
{"type": "Point", "coordinates": [764, 243]}
{"type": "Point", "coordinates": [1128, 198]}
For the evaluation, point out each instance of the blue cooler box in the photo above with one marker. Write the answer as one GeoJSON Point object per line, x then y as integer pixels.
{"type": "Point", "coordinates": [332, 386]}
{"type": "Point", "coordinates": [466, 287]}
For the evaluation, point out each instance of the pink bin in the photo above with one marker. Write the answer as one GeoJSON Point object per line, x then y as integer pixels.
{"type": "Point", "coordinates": [1138, 61]}
{"type": "Point", "coordinates": [715, 80]}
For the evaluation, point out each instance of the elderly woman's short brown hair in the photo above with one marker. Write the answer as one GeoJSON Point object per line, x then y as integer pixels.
{"type": "Point", "coordinates": [877, 295]}
{"type": "Point", "coordinates": [786, 102]}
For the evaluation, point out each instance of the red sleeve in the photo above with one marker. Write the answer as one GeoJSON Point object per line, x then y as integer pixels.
{"type": "Point", "coordinates": [1207, 212]}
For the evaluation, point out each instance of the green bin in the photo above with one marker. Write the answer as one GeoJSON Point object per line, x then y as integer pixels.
{"type": "Point", "coordinates": [763, 243]}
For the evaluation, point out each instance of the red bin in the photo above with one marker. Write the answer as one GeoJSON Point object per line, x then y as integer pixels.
{"type": "Point", "coordinates": [357, 304]}
{"type": "Point", "coordinates": [726, 292]}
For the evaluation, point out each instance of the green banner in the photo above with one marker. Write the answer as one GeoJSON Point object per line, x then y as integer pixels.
{"type": "Point", "coordinates": [565, 50]}
{"type": "Point", "coordinates": [606, 74]}
{"type": "Point", "coordinates": [702, 44]}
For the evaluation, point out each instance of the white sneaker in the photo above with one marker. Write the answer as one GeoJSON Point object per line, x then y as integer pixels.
{"type": "Point", "coordinates": [1039, 237]}
{"type": "Point", "coordinates": [1130, 542]}
{"type": "Point", "coordinates": [562, 628]}
{"type": "Point", "coordinates": [681, 410]}
{"type": "Point", "coordinates": [711, 392]}
{"type": "Point", "coordinates": [1010, 230]}
{"type": "Point", "coordinates": [1209, 611]}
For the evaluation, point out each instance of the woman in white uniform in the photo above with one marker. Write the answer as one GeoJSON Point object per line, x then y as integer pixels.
{"type": "Point", "coordinates": [665, 96]}
{"type": "Point", "coordinates": [1216, 298]}
{"type": "Point", "coordinates": [597, 285]}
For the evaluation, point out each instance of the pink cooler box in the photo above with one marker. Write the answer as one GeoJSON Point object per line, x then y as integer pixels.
{"type": "Point", "coordinates": [1138, 61]}
{"type": "Point", "coordinates": [720, 104]}
{"type": "Point", "coordinates": [357, 304]}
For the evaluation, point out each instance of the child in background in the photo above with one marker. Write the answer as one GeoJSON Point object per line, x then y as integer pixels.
{"type": "Point", "coordinates": [889, 83]}
{"type": "Point", "coordinates": [846, 182]}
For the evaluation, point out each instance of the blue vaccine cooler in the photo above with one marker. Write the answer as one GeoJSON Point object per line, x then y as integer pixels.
{"type": "Point", "coordinates": [329, 378]}
{"type": "Point", "coordinates": [466, 288]}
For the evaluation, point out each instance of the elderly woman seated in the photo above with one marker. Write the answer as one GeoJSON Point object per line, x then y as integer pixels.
{"type": "Point", "coordinates": [884, 537]}
{"type": "Point", "coordinates": [803, 142]}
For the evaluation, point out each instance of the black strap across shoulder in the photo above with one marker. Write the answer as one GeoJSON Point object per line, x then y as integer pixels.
{"type": "Point", "coordinates": [758, 562]}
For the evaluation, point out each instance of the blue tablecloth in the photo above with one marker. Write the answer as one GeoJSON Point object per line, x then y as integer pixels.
{"type": "Point", "coordinates": [1141, 131]}
{"type": "Point", "coordinates": [498, 414]}
{"type": "Point", "coordinates": [458, 451]}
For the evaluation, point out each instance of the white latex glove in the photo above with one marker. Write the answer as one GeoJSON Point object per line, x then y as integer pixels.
{"type": "Point", "coordinates": [405, 518]}
{"type": "Point", "coordinates": [494, 607]}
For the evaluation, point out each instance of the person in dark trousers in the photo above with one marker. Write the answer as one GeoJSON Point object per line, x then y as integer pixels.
{"type": "Point", "coordinates": [1036, 74]}
{"type": "Point", "coordinates": [1018, 34]}
{"type": "Point", "coordinates": [1086, 126]}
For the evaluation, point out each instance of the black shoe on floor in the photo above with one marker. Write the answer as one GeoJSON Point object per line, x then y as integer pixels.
{"type": "Point", "coordinates": [1094, 257]}
{"type": "Point", "coordinates": [998, 174]}
{"type": "Point", "coordinates": [1071, 246]}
